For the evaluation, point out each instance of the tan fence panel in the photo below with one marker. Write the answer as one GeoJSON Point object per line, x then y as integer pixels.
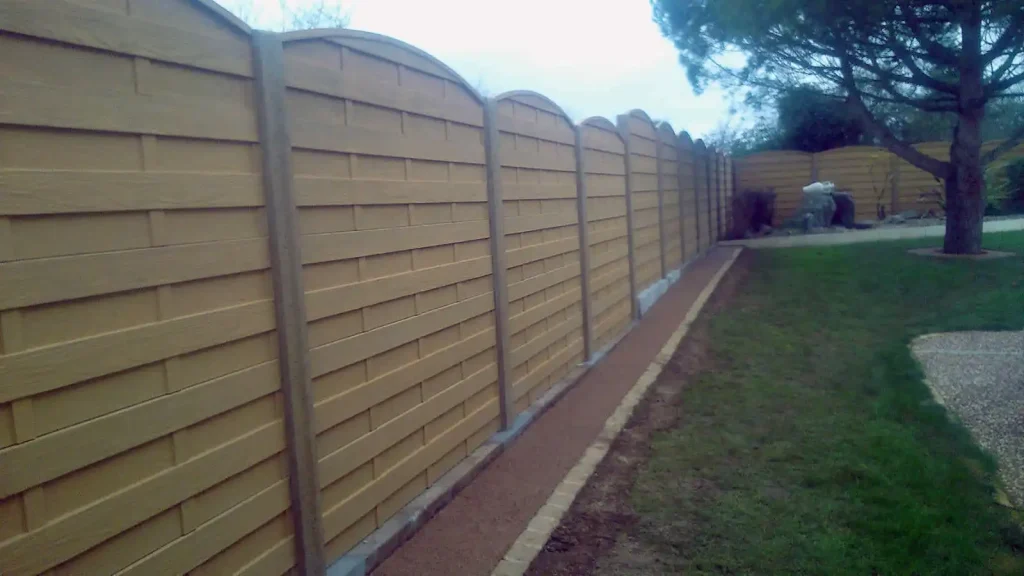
{"type": "Point", "coordinates": [643, 148]}
{"type": "Point", "coordinates": [864, 171]}
{"type": "Point", "coordinates": [604, 163]}
{"type": "Point", "coordinates": [687, 195]}
{"type": "Point", "coordinates": [390, 183]}
{"type": "Point", "coordinates": [668, 151]}
{"type": "Point", "coordinates": [786, 172]}
{"type": "Point", "coordinates": [538, 174]}
{"type": "Point", "coordinates": [700, 158]}
{"type": "Point", "coordinates": [140, 402]}
{"type": "Point", "coordinates": [916, 185]}
{"type": "Point", "coordinates": [719, 183]}
{"type": "Point", "coordinates": [729, 182]}
{"type": "Point", "coordinates": [711, 181]}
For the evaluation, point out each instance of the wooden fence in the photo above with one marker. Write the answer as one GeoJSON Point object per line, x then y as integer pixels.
{"type": "Point", "coordinates": [875, 177]}
{"type": "Point", "coordinates": [259, 291]}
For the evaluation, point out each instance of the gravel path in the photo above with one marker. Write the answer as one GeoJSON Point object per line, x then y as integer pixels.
{"type": "Point", "coordinates": [979, 376]}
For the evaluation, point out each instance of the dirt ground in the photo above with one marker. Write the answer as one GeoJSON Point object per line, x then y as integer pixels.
{"type": "Point", "coordinates": [602, 513]}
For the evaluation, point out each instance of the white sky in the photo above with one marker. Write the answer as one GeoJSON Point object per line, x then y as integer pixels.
{"type": "Point", "coordinates": [592, 58]}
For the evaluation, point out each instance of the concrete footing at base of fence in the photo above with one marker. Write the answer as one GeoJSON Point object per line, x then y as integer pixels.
{"type": "Point", "coordinates": [655, 291]}
{"type": "Point", "coordinates": [376, 547]}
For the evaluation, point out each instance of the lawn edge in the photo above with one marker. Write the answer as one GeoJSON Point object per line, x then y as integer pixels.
{"type": "Point", "coordinates": [531, 541]}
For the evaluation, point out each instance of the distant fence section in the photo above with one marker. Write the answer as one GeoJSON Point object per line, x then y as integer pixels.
{"type": "Point", "coordinates": [880, 181]}
{"type": "Point", "coordinates": [259, 291]}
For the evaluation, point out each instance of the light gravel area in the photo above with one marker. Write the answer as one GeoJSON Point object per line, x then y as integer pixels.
{"type": "Point", "coordinates": [979, 377]}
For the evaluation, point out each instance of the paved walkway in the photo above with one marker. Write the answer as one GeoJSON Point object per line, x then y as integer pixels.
{"type": "Point", "coordinates": [472, 534]}
{"type": "Point", "coordinates": [873, 235]}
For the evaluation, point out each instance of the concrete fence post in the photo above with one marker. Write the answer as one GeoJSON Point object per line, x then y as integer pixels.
{"type": "Point", "coordinates": [719, 191]}
{"type": "Point", "coordinates": [584, 235]}
{"type": "Point", "coordinates": [289, 303]}
{"type": "Point", "coordinates": [708, 168]}
{"type": "Point", "coordinates": [730, 175]}
{"type": "Point", "coordinates": [622, 122]}
{"type": "Point", "coordinates": [697, 178]}
{"type": "Point", "coordinates": [663, 257]}
{"type": "Point", "coordinates": [499, 268]}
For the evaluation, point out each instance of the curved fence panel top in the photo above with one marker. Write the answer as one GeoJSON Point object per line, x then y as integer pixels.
{"type": "Point", "coordinates": [687, 194]}
{"type": "Point", "coordinates": [880, 181]}
{"type": "Point", "coordinates": [671, 217]}
{"type": "Point", "coordinates": [605, 150]}
{"type": "Point", "coordinates": [714, 190]}
{"type": "Point", "coordinates": [643, 150]}
{"type": "Point", "coordinates": [225, 15]}
{"type": "Point", "coordinates": [866, 172]}
{"type": "Point", "coordinates": [702, 190]}
{"type": "Point", "coordinates": [155, 280]}
{"type": "Point", "coordinates": [391, 188]}
{"type": "Point", "coordinates": [384, 47]}
{"type": "Point", "coordinates": [537, 152]}
{"type": "Point", "coordinates": [608, 235]}
{"type": "Point", "coordinates": [136, 295]}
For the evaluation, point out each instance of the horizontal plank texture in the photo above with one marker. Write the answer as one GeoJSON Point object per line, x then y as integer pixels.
{"type": "Point", "coordinates": [536, 151]}
{"type": "Point", "coordinates": [878, 179]}
{"type": "Point", "coordinates": [688, 197]}
{"type": "Point", "coordinates": [703, 195]}
{"type": "Point", "coordinates": [608, 236]}
{"type": "Point", "coordinates": [390, 173]}
{"type": "Point", "coordinates": [784, 172]}
{"type": "Point", "coordinates": [139, 364]}
{"type": "Point", "coordinates": [144, 427]}
{"type": "Point", "coordinates": [643, 148]}
{"type": "Point", "coordinates": [668, 176]}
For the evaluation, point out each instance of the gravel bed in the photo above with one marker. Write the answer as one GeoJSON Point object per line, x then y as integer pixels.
{"type": "Point", "coordinates": [979, 377]}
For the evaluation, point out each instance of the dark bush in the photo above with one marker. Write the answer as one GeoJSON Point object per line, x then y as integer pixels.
{"type": "Point", "coordinates": [1013, 201]}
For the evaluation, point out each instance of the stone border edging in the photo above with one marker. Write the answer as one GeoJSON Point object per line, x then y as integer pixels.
{"type": "Point", "coordinates": [530, 542]}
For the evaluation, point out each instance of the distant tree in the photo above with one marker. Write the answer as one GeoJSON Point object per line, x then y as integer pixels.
{"type": "Point", "coordinates": [811, 122]}
{"type": "Point", "coordinates": [915, 125]}
{"type": "Point", "coordinates": [762, 136]}
{"type": "Point", "coordinates": [293, 14]}
{"type": "Point", "coordinates": [312, 15]}
{"type": "Point", "coordinates": [795, 119]}
{"type": "Point", "coordinates": [952, 57]}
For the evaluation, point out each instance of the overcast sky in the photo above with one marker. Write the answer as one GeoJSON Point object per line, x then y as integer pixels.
{"type": "Point", "coordinates": [592, 58]}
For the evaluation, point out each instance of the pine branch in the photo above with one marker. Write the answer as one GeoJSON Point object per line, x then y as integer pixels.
{"type": "Point", "coordinates": [1005, 146]}
{"type": "Point", "coordinates": [903, 149]}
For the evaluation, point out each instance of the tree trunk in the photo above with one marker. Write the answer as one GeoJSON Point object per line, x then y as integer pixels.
{"type": "Point", "coordinates": [965, 184]}
{"type": "Point", "coordinates": [965, 202]}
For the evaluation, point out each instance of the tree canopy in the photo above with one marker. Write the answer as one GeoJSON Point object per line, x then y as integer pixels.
{"type": "Point", "coordinates": [797, 119]}
{"type": "Point", "coordinates": [944, 57]}
{"type": "Point", "coordinates": [870, 53]}
{"type": "Point", "coordinates": [291, 14]}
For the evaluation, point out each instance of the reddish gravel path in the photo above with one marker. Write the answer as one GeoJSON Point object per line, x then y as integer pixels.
{"type": "Point", "coordinates": [470, 535]}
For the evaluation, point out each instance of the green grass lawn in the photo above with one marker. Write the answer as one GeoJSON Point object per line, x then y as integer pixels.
{"type": "Point", "coordinates": [812, 446]}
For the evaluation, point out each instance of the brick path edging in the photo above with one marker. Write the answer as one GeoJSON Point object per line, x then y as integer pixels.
{"type": "Point", "coordinates": [383, 542]}
{"type": "Point", "coordinates": [518, 558]}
